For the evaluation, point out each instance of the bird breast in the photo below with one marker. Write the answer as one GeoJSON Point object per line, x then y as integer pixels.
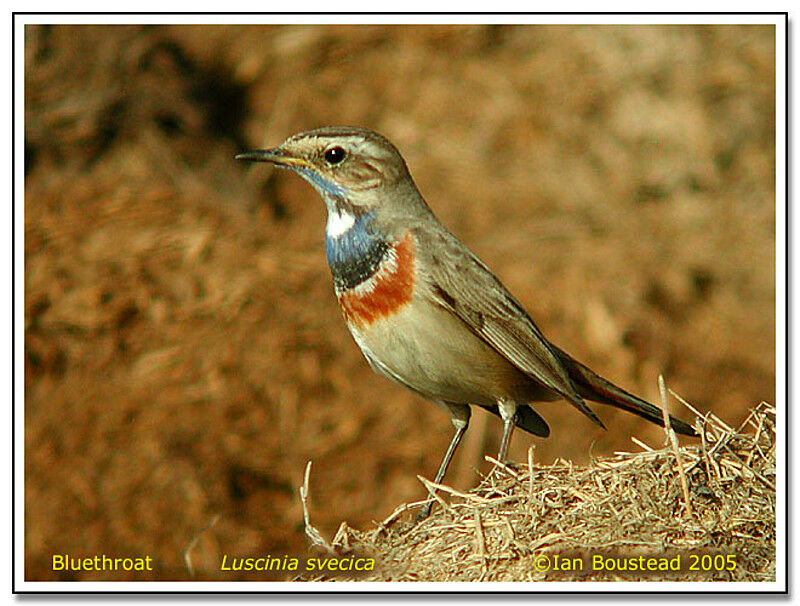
{"type": "Point", "coordinates": [373, 277]}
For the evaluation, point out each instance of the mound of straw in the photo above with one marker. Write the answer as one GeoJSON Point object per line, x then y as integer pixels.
{"type": "Point", "coordinates": [710, 505]}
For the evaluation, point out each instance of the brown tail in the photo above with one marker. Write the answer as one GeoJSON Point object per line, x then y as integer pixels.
{"type": "Point", "coordinates": [593, 387]}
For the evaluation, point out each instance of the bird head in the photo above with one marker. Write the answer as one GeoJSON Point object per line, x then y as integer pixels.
{"type": "Point", "coordinates": [351, 168]}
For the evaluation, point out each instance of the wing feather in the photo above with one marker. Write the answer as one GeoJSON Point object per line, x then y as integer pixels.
{"type": "Point", "coordinates": [462, 284]}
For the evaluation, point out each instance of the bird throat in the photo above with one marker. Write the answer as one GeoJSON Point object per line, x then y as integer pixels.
{"type": "Point", "coordinates": [355, 248]}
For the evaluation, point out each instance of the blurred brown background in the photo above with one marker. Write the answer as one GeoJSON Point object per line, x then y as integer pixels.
{"type": "Point", "coordinates": [185, 356]}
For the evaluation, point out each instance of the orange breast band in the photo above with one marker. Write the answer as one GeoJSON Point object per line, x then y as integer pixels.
{"type": "Point", "coordinates": [387, 291]}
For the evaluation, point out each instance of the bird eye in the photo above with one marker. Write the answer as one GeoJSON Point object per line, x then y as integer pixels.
{"type": "Point", "coordinates": [334, 155]}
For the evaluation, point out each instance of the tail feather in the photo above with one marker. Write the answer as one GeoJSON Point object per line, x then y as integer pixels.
{"type": "Point", "coordinates": [593, 387]}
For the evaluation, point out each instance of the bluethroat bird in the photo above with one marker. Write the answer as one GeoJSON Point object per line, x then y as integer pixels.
{"type": "Point", "coordinates": [425, 311]}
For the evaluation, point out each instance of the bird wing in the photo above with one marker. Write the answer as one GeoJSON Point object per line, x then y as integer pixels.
{"type": "Point", "coordinates": [462, 284]}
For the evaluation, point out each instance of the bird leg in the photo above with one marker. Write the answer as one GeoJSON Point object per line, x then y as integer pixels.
{"type": "Point", "coordinates": [460, 418]}
{"type": "Point", "coordinates": [508, 412]}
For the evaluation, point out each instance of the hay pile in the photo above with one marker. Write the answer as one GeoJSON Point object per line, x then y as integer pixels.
{"type": "Point", "coordinates": [558, 522]}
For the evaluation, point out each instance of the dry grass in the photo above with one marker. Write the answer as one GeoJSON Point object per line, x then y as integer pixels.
{"type": "Point", "coordinates": [512, 527]}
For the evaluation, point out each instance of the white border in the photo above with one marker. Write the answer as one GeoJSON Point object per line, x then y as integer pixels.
{"type": "Point", "coordinates": [360, 19]}
{"type": "Point", "coordinates": [781, 311]}
{"type": "Point", "coordinates": [623, 587]}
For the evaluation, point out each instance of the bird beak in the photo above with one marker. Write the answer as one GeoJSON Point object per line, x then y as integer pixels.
{"type": "Point", "coordinates": [276, 156]}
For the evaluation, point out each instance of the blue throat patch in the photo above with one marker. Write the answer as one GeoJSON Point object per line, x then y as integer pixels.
{"type": "Point", "coordinates": [355, 256]}
{"type": "Point", "coordinates": [322, 185]}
